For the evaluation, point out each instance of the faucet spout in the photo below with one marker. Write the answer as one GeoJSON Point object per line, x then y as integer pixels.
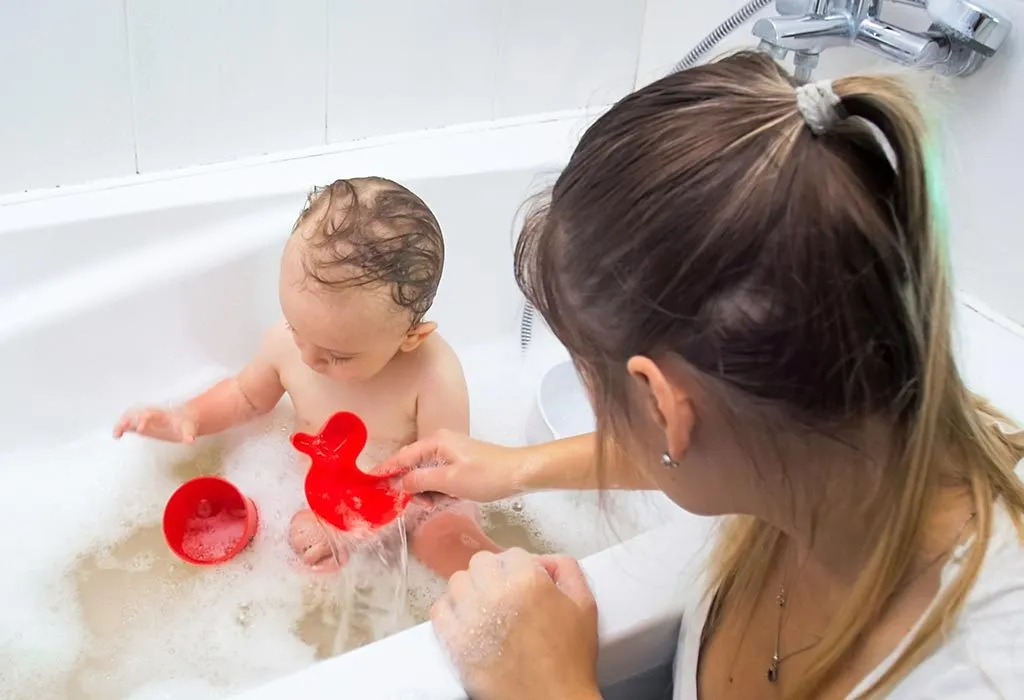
{"type": "Point", "coordinates": [805, 33]}
{"type": "Point", "coordinates": [962, 36]}
{"type": "Point", "coordinates": [900, 45]}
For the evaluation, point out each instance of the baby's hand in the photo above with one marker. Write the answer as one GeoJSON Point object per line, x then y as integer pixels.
{"type": "Point", "coordinates": [308, 538]}
{"type": "Point", "coordinates": [168, 424]}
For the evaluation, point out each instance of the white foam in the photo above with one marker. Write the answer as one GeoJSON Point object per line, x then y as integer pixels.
{"type": "Point", "coordinates": [231, 626]}
{"type": "Point", "coordinates": [177, 689]}
{"type": "Point", "coordinates": [54, 504]}
{"type": "Point", "coordinates": [175, 631]}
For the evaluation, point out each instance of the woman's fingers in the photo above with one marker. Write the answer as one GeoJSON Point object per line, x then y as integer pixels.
{"type": "Point", "coordinates": [442, 616]}
{"type": "Point", "coordinates": [505, 614]}
{"type": "Point", "coordinates": [518, 559]}
{"type": "Point", "coordinates": [409, 457]}
{"type": "Point", "coordinates": [568, 575]}
{"type": "Point", "coordinates": [426, 480]}
{"type": "Point", "coordinates": [456, 465]}
{"type": "Point", "coordinates": [485, 570]}
{"type": "Point", "coordinates": [460, 587]}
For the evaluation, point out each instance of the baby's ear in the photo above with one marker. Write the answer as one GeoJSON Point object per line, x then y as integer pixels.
{"type": "Point", "coordinates": [417, 334]}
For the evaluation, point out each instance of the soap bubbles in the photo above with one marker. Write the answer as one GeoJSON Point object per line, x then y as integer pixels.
{"type": "Point", "coordinates": [93, 605]}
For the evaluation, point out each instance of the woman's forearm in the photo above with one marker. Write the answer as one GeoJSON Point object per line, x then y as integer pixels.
{"type": "Point", "coordinates": [571, 463]}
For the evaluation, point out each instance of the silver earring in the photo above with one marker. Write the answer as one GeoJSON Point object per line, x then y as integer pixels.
{"type": "Point", "coordinates": [668, 462]}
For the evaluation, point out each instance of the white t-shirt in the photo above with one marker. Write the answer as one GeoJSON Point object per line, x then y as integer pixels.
{"type": "Point", "coordinates": [983, 657]}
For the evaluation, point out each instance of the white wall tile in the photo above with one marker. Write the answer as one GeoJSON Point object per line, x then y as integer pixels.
{"type": "Point", "coordinates": [65, 106]}
{"type": "Point", "coordinates": [400, 65]}
{"type": "Point", "coordinates": [220, 79]}
{"type": "Point", "coordinates": [567, 54]}
{"type": "Point", "coordinates": [673, 27]}
{"type": "Point", "coordinates": [981, 120]}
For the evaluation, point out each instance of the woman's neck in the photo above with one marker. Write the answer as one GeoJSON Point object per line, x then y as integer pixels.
{"type": "Point", "coordinates": [832, 500]}
{"type": "Point", "coordinates": [827, 498]}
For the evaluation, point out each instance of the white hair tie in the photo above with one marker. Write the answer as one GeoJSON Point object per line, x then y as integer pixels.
{"type": "Point", "coordinates": [817, 103]}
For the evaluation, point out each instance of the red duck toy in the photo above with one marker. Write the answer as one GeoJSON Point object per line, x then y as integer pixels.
{"type": "Point", "coordinates": [337, 490]}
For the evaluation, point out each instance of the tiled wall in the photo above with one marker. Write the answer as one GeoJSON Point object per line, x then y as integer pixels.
{"type": "Point", "coordinates": [92, 89]}
{"type": "Point", "coordinates": [65, 102]}
{"type": "Point", "coordinates": [980, 117]}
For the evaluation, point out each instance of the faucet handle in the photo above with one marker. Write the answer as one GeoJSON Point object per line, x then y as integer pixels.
{"type": "Point", "coordinates": [981, 29]}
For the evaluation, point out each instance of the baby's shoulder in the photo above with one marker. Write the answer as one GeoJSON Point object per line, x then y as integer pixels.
{"type": "Point", "coordinates": [278, 345]}
{"type": "Point", "coordinates": [436, 355]}
{"type": "Point", "coordinates": [437, 365]}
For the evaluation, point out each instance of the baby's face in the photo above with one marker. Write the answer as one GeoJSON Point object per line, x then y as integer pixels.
{"type": "Point", "coordinates": [347, 334]}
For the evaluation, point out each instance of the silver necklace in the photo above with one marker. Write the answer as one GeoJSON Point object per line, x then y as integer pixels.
{"type": "Point", "coordinates": [777, 658]}
{"type": "Point", "coordinates": [773, 667]}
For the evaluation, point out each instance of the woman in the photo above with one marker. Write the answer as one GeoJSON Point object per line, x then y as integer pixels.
{"type": "Point", "coordinates": [746, 275]}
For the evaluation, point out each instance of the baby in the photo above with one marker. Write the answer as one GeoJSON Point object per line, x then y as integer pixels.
{"type": "Point", "coordinates": [358, 275]}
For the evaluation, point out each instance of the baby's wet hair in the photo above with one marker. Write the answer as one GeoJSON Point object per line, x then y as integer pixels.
{"type": "Point", "coordinates": [373, 231]}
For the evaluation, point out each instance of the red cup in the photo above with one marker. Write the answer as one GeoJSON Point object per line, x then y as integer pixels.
{"type": "Point", "coordinates": [208, 521]}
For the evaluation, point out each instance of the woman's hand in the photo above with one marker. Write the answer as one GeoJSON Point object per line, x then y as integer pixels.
{"type": "Point", "coordinates": [521, 626]}
{"type": "Point", "coordinates": [457, 465]}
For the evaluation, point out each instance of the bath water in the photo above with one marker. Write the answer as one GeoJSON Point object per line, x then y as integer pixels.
{"type": "Point", "coordinates": [93, 605]}
{"type": "Point", "coordinates": [210, 537]}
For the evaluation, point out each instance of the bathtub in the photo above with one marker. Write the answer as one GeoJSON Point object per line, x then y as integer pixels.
{"type": "Point", "coordinates": [149, 287]}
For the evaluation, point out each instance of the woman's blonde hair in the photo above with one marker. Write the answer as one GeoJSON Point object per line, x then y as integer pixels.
{"type": "Point", "coordinates": [799, 275]}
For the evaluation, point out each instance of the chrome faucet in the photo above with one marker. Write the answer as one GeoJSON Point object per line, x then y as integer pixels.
{"type": "Point", "coordinates": [962, 35]}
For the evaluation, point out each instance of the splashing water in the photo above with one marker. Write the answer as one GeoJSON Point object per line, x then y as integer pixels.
{"type": "Point", "coordinates": [372, 589]}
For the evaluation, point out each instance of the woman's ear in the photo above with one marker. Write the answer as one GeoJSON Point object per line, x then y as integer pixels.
{"type": "Point", "coordinates": [669, 403]}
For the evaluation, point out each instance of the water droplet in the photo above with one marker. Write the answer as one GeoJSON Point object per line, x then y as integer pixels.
{"type": "Point", "coordinates": [517, 506]}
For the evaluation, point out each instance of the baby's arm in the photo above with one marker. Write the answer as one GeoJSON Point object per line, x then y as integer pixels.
{"type": "Point", "coordinates": [442, 400]}
{"type": "Point", "coordinates": [252, 392]}
{"type": "Point", "coordinates": [446, 534]}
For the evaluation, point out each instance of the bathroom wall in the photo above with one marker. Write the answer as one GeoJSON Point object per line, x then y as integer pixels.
{"type": "Point", "coordinates": [93, 89]}
{"type": "Point", "coordinates": [980, 120]}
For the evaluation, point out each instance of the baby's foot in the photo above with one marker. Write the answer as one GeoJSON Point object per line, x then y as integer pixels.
{"type": "Point", "coordinates": [447, 538]}
{"type": "Point", "coordinates": [309, 539]}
